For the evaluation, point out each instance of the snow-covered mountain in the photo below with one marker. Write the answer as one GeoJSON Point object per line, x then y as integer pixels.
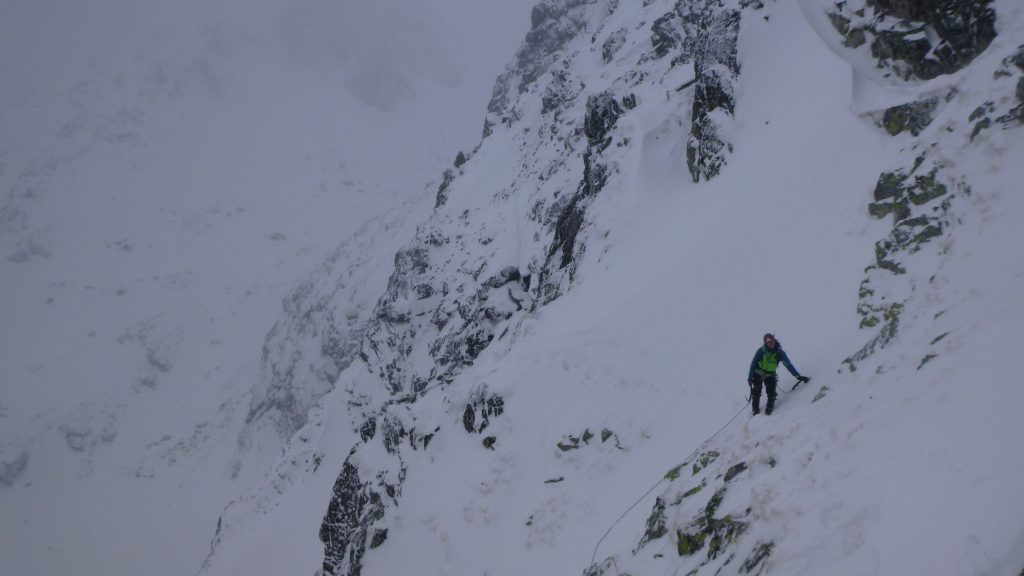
{"type": "Point", "coordinates": [547, 374]}
{"type": "Point", "coordinates": [169, 173]}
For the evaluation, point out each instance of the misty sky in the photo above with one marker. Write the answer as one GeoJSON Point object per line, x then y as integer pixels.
{"type": "Point", "coordinates": [385, 53]}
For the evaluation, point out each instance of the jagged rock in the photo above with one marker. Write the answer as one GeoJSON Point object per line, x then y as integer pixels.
{"type": "Point", "coordinates": [561, 91]}
{"type": "Point", "coordinates": [379, 536]}
{"type": "Point", "coordinates": [393, 432]}
{"type": "Point", "coordinates": [734, 470]}
{"type": "Point", "coordinates": [554, 24]}
{"type": "Point", "coordinates": [656, 527]}
{"type": "Point", "coordinates": [716, 68]}
{"type": "Point", "coordinates": [912, 117]}
{"type": "Point", "coordinates": [704, 460]}
{"type": "Point", "coordinates": [442, 191]}
{"type": "Point", "coordinates": [715, 533]}
{"type": "Point", "coordinates": [917, 39]}
{"type": "Point", "coordinates": [602, 113]}
{"type": "Point", "coordinates": [705, 33]}
{"type": "Point", "coordinates": [479, 411]}
{"type": "Point", "coordinates": [665, 36]}
{"type": "Point", "coordinates": [353, 509]}
{"type": "Point", "coordinates": [894, 196]}
{"type": "Point", "coordinates": [612, 44]}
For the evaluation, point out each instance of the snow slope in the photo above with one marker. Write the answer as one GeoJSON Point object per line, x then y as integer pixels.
{"type": "Point", "coordinates": [899, 461]}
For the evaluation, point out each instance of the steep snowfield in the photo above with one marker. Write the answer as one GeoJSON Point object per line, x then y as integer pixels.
{"type": "Point", "coordinates": [906, 465]}
{"type": "Point", "coordinates": [168, 174]}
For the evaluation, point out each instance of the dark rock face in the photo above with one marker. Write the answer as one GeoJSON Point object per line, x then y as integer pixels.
{"type": "Point", "coordinates": [479, 411]}
{"type": "Point", "coordinates": [705, 33]}
{"type": "Point", "coordinates": [717, 69]}
{"type": "Point", "coordinates": [602, 113]}
{"type": "Point", "coordinates": [354, 507]}
{"type": "Point", "coordinates": [554, 24]}
{"type": "Point", "coordinates": [912, 199]}
{"type": "Point", "coordinates": [919, 39]}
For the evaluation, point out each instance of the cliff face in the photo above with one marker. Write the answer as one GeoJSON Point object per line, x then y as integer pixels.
{"type": "Point", "coordinates": [501, 246]}
{"type": "Point", "coordinates": [598, 94]}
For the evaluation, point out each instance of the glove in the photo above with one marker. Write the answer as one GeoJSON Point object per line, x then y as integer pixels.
{"type": "Point", "coordinates": [751, 381]}
{"type": "Point", "coordinates": [803, 379]}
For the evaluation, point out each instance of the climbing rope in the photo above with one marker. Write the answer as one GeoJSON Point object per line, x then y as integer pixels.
{"type": "Point", "coordinates": [692, 455]}
{"type": "Point", "coordinates": [658, 483]}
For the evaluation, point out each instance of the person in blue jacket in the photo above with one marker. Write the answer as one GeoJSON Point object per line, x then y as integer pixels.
{"type": "Point", "coordinates": [762, 370]}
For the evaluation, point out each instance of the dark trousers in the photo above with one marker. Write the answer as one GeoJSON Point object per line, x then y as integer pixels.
{"type": "Point", "coordinates": [771, 382]}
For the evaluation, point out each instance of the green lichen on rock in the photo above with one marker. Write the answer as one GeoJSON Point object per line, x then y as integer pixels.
{"type": "Point", "coordinates": [891, 316]}
{"type": "Point", "coordinates": [716, 533]}
{"type": "Point", "coordinates": [674, 473]}
{"type": "Point", "coordinates": [689, 544]}
{"type": "Point", "coordinates": [890, 196]}
{"type": "Point", "coordinates": [882, 250]}
{"type": "Point", "coordinates": [692, 491]}
{"type": "Point", "coordinates": [912, 117]}
{"type": "Point", "coordinates": [655, 524]}
{"type": "Point", "coordinates": [918, 219]}
{"type": "Point", "coordinates": [734, 470]}
{"type": "Point", "coordinates": [926, 188]}
{"type": "Point", "coordinates": [703, 460]}
{"type": "Point", "coordinates": [893, 195]}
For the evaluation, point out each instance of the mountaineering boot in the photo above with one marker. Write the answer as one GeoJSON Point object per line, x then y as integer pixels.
{"type": "Point", "coordinates": [769, 407]}
{"type": "Point", "coordinates": [756, 404]}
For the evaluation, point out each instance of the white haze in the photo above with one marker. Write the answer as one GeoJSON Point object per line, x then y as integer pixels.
{"type": "Point", "coordinates": [168, 172]}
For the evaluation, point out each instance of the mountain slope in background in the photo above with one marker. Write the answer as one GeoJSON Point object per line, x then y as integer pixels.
{"type": "Point", "coordinates": [168, 174]}
{"type": "Point", "coordinates": [553, 379]}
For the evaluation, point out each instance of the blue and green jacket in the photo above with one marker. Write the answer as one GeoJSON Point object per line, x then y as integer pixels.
{"type": "Point", "coordinates": [766, 361]}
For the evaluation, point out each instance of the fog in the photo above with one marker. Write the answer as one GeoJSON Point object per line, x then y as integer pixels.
{"type": "Point", "coordinates": [169, 171]}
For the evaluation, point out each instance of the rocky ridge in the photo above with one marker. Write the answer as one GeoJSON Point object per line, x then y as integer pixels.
{"type": "Point", "coordinates": [470, 275]}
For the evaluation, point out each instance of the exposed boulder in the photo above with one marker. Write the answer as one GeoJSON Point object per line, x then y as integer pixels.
{"type": "Point", "coordinates": [355, 506]}
{"type": "Point", "coordinates": [912, 117]}
{"type": "Point", "coordinates": [705, 33]}
{"type": "Point", "coordinates": [919, 39]}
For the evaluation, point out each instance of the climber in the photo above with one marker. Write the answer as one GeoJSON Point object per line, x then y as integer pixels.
{"type": "Point", "coordinates": [762, 369]}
